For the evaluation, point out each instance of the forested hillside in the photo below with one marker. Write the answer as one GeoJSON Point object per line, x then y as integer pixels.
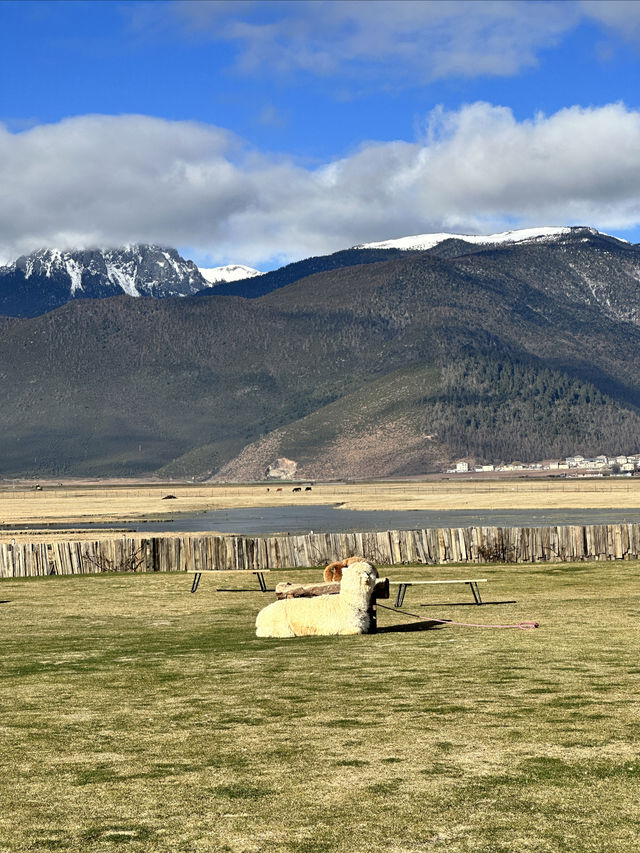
{"type": "Point", "coordinates": [395, 366]}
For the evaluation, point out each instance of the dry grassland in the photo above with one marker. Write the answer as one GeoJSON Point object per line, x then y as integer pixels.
{"type": "Point", "coordinates": [96, 503]}
{"type": "Point", "coordinates": [138, 716]}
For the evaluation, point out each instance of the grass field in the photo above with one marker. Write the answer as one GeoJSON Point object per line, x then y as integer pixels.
{"type": "Point", "coordinates": [139, 717]}
{"type": "Point", "coordinates": [73, 503]}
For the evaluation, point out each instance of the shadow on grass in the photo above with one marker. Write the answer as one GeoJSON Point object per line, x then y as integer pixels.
{"type": "Point", "coordinates": [227, 589]}
{"type": "Point", "coordinates": [464, 603]}
{"type": "Point", "coordinates": [424, 625]}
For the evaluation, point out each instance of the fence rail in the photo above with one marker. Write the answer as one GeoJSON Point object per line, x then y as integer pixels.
{"type": "Point", "coordinates": [432, 546]}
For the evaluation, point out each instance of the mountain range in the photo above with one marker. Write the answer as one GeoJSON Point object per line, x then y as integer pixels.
{"type": "Point", "coordinates": [380, 360]}
{"type": "Point", "coordinates": [49, 278]}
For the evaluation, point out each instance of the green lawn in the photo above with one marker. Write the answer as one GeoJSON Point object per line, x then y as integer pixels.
{"type": "Point", "coordinates": [136, 716]}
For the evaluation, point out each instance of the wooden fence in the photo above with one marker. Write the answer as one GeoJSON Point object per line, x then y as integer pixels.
{"type": "Point", "coordinates": [433, 546]}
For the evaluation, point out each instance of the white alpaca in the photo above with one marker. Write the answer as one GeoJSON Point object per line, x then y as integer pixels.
{"type": "Point", "coordinates": [327, 615]}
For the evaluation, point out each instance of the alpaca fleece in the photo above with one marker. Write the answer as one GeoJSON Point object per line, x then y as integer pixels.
{"type": "Point", "coordinates": [333, 572]}
{"type": "Point", "coordinates": [324, 615]}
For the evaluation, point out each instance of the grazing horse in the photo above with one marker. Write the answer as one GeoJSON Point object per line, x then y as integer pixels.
{"type": "Point", "coordinates": [297, 489]}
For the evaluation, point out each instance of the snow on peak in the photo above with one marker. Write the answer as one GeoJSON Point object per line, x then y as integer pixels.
{"type": "Point", "coordinates": [422, 242]}
{"type": "Point", "coordinates": [135, 269]}
{"type": "Point", "coordinates": [123, 278]}
{"type": "Point", "coordinates": [230, 272]}
{"type": "Point", "coordinates": [74, 270]}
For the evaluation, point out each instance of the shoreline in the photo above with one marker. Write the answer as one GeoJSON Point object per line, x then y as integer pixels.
{"type": "Point", "coordinates": [30, 512]}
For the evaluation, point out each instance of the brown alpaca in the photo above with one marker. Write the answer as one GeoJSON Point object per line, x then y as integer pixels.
{"type": "Point", "coordinates": [333, 572]}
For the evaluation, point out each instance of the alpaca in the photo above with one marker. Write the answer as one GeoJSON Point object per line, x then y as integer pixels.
{"type": "Point", "coordinates": [326, 615]}
{"type": "Point", "coordinates": [333, 572]}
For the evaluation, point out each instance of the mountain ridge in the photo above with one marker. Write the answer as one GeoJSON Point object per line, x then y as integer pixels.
{"type": "Point", "coordinates": [229, 272]}
{"type": "Point", "coordinates": [48, 278]}
{"type": "Point", "coordinates": [441, 245]}
{"type": "Point", "coordinates": [397, 366]}
{"type": "Point", "coordinates": [424, 242]}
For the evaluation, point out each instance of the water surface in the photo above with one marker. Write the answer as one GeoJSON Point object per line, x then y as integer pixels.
{"type": "Point", "coordinates": [265, 521]}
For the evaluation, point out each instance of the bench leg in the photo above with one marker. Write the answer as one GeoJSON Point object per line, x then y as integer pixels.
{"type": "Point", "coordinates": [476, 593]}
{"type": "Point", "coordinates": [402, 588]}
{"type": "Point", "coordinates": [373, 617]}
{"type": "Point", "coordinates": [196, 581]}
{"type": "Point", "coordinates": [261, 581]}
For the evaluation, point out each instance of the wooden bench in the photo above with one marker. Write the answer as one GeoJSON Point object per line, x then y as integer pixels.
{"type": "Point", "coordinates": [403, 586]}
{"type": "Point", "coordinates": [198, 575]}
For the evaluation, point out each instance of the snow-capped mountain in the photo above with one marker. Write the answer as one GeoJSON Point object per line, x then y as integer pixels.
{"type": "Point", "coordinates": [230, 272]}
{"type": "Point", "coordinates": [424, 242]}
{"type": "Point", "coordinates": [47, 278]}
{"type": "Point", "coordinates": [138, 270]}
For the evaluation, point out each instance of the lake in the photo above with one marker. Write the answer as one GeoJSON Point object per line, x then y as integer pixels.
{"type": "Point", "coordinates": [265, 521]}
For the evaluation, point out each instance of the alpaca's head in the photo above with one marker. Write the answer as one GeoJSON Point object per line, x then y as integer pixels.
{"type": "Point", "coordinates": [358, 581]}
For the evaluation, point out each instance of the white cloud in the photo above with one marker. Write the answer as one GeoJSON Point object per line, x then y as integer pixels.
{"type": "Point", "coordinates": [619, 16]}
{"type": "Point", "coordinates": [108, 180]}
{"type": "Point", "coordinates": [402, 42]}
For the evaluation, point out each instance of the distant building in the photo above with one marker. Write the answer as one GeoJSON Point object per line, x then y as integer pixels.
{"type": "Point", "coordinates": [587, 463]}
{"type": "Point", "coordinates": [592, 466]}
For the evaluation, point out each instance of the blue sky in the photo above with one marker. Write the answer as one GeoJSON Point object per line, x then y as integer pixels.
{"type": "Point", "coordinates": [264, 132]}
